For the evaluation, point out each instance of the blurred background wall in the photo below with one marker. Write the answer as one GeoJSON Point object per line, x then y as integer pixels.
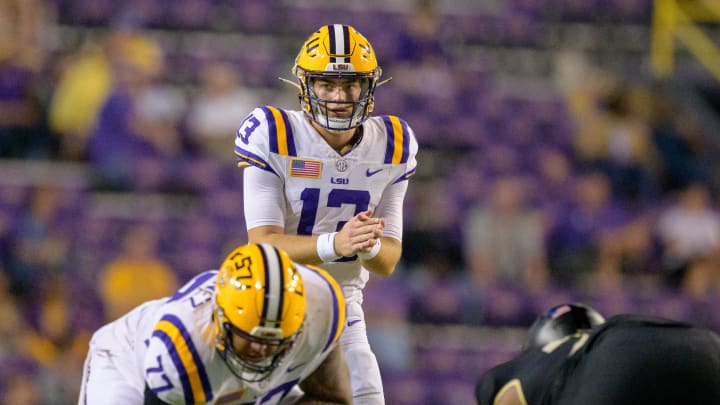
{"type": "Point", "coordinates": [568, 153]}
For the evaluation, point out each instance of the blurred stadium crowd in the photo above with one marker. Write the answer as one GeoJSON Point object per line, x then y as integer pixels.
{"type": "Point", "coordinates": [553, 167]}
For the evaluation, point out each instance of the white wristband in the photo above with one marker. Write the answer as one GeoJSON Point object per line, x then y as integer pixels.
{"type": "Point", "coordinates": [326, 247]}
{"type": "Point", "coordinates": [372, 253]}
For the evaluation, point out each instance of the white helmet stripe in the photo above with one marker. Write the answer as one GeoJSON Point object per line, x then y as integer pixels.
{"type": "Point", "coordinates": [339, 40]}
{"type": "Point", "coordinates": [339, 43]}
{"type": "Point", "coordinates": [272, 302]}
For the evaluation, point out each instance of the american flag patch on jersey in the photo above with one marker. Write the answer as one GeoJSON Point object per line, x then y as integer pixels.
{"type": "Point", "coordinates": [305, 168]}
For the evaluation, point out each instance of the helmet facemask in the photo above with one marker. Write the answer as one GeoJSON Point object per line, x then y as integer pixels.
{"type": "Point", "coordinates": [244, 367]}
{"type": "Point", "coordinates": [316, 107]}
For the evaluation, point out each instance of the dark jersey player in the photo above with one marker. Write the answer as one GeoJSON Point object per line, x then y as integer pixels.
{"type": "Point", "coordinates": [572, 356]}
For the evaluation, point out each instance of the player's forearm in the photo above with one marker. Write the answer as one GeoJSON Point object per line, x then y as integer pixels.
{"type": "Point", "coordinates": [387, 258]}
{"type": "Point", "coordinates": [300, 248]}
{"type": "Point", "coordinates": [329, 383]}
{"type": "Point", "coordinates": [303, 248]}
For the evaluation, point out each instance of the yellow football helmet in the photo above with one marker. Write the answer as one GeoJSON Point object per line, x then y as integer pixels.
{"type": "Point", "coordinates": [260, 297]}
{"type": "Point", "coordinates": [337, 51]}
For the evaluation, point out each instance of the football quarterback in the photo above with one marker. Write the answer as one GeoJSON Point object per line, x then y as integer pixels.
{"type": "Point", "coordinates": [326, 182]}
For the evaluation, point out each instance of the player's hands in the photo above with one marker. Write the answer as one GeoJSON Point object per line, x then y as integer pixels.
{"type": "Point", "coordinates": [359, 234]}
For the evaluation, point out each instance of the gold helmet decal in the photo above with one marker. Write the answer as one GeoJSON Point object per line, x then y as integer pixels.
{"type": "Point", "coordinates": [336, 49]}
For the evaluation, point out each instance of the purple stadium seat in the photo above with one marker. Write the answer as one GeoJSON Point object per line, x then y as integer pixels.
{"type": "Point", "coordinates": [451, 390]}
{"type": "Point", "coordinates": [441, 301]}
{"type": "Point", "coordinates": [613, 302]}
{"type": "Point", "coordinates": [149, 13]}
{"type": "Point", "coordinates": [667, 303]}
{"type": "Point", "coordinates": [190, 14]}
{"type": "Point", "coordinates": [404, 389]}
{"type": "Point", "coordinates": [87, 11]}
{"type": "Point", "coordinates": [202, 175]}
{"type": "Point", "coordinates": [577, 10]}
{"type": "Point", "coordinates": [636, 11]}
{"type": "Point", "coordinates": [522, 28]}
{"type": "Point", "coordinates": [257, 16]}
{"type": "Point", "coordinates": [505, 306]}
{"type": "Point", "coordinates": [474, 27]}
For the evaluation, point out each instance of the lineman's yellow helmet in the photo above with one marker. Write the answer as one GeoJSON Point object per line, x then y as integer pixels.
{"type": "Point", "coordinates": [337, 51]}
{"type": "Point", "coordinates": [260, 297]}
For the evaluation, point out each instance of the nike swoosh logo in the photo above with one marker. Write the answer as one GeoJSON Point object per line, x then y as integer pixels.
{"type": "Point", "coordinates": [295, 367]}
{"type": "Point", "coordinates": [369, 173]}
{"type": "Point", "coordinates": [353, 322]}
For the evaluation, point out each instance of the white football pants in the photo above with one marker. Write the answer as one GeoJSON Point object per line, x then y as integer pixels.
{"type": "Point", "coordinates": [364, 370]}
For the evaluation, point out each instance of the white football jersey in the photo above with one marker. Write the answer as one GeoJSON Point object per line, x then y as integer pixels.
{"type": "Point", "coordinates": [322, 188]}
{"type": "Point", "coordinates": [169, 344]}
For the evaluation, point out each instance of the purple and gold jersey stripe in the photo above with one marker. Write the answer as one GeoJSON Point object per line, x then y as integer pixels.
{"type": "Point", "coordinates": [195, 383]}
{"type": "Point", "coordinates": [398, 140]}
{"type": "Point", "coordinates": [193, 284]}
{"type": "Point", "coordinates": [339, 43]}
{"type": "Point", "coordinates": [405, 176]}
{"type": "Point", "coordinates": [280, 131]}
{"type": "Point", "coordinates": [247, 158]}
{"type": "Point", "coordinates": [338, 305]}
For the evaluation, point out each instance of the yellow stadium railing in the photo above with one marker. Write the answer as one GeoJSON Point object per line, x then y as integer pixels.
{"type": "Point", "coordinates": [678, 19]}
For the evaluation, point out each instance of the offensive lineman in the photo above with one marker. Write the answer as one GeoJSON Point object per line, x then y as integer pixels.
{"type": "Point", "coordinates": [261, 330]}
{"type": "Point", "coordinates": [326, 183]}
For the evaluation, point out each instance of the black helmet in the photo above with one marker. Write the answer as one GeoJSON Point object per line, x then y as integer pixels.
{"type": "Point", "coordinates": [560, 321]}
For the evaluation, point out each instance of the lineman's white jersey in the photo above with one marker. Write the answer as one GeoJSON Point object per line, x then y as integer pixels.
{"type": "Point", "coordinates": [322, 188]}
{"type": "Point", "coordinates": [169, 344]}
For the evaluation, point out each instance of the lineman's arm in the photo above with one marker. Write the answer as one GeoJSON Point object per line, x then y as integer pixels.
{"type": "Point", "coordinates": [329, 383]}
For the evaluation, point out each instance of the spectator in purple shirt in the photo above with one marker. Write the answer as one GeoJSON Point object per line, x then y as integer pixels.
{"type": "Point", "coordinates": [575, 242]}
{"type": "Point", "coordinates": [127, 130]}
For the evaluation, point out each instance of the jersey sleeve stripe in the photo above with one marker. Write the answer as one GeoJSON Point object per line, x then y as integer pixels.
{"type": "Point", "coordinates": [247, 158]}
{"type": "Point", "coordinates": [397, 140]}
{"type": "Point", "coordinates": [191, 285]}
{"type": "Point", "coordinates": [405, 176]}
{"type": "Point", "coordinates": [280, 131]}
{"type": "Point", "coordinates": [338, 305]}
{"type": "Point", "coordinates": [196, 385]}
